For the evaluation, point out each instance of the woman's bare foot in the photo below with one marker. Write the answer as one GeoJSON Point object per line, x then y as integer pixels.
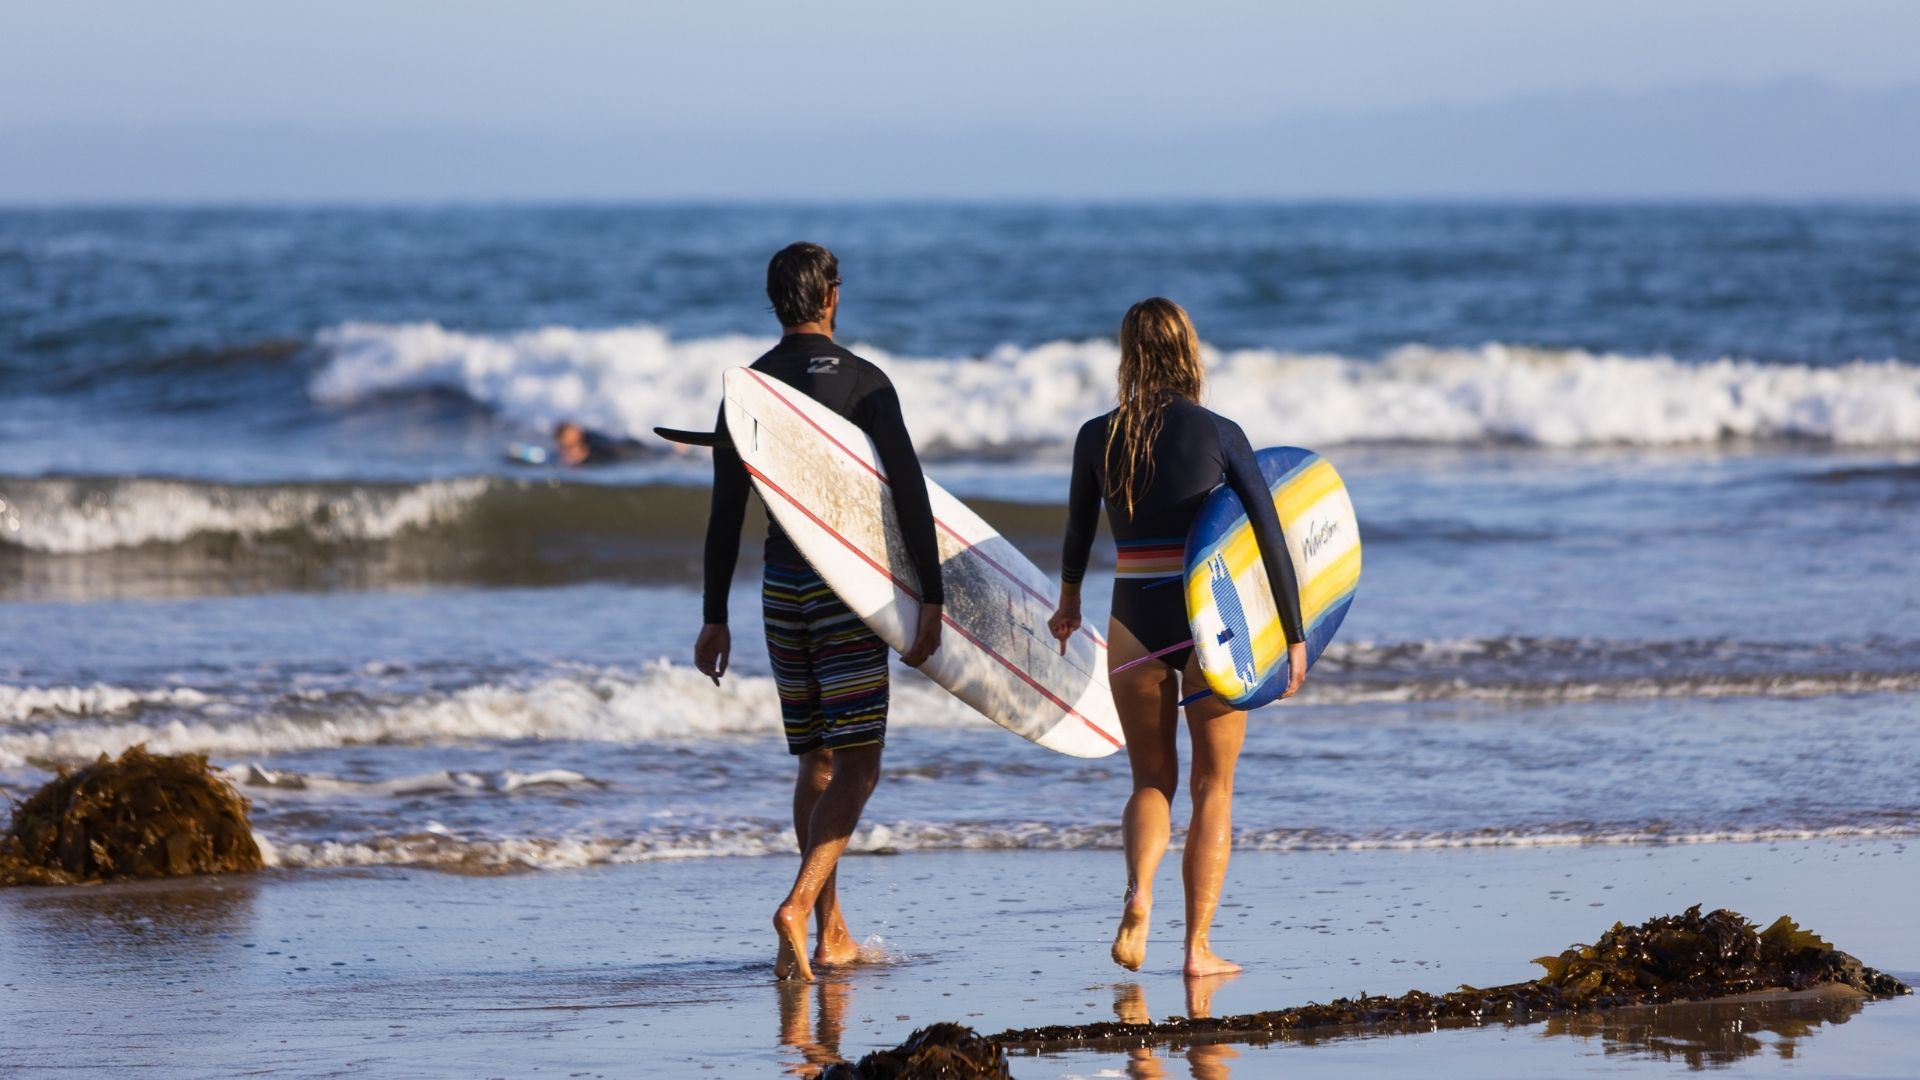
{"type": "Point", "coordinates": [1130, 941]}
{"type": "Point", "coordinates": [1201, 961]}
{"type": "Point", "coordinates": [1200, 990]}
{"type": "Point", "coordinates": [836, 946]}
{"type": "Point", "coordinates": [791, 926]}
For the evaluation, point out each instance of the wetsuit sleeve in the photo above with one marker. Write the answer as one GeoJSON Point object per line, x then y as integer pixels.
{"type": "Point", "coordinates": [1083, 504]}
{"type": "Point", "coordinates": [879, 416]}
{"type": "Point", "coordinates": [724, 519]}
{"type": "Point", "coordinates": [1243, 474]}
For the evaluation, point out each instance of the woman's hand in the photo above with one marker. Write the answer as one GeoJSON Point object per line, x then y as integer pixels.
{"type": "Point", "coordinates": [1296, 668]}
{"type": "Point", "coordinates": [1065, 618]}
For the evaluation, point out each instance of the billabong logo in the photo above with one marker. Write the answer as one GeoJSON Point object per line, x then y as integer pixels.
{"type": "Point", "coordinates": [824, 365]}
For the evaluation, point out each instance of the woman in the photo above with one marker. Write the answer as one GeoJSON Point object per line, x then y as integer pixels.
{"type": "Point", "coordinates": [1153, 460]}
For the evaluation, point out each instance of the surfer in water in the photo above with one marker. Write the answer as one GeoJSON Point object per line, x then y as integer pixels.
{"type": "Point", "coordinates": [1152, 460]}
{"type": "Point", "coordinates": [576, 446]}
{"type": "Point", "coordinates": [830, 668]}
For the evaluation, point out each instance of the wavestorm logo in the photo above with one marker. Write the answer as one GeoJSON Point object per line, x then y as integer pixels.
{"type": "Point", "coordinates": [1318, 537]}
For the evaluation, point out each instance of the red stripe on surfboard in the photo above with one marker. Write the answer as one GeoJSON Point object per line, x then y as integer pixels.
{"type": "Point", "coordinates": [768, 385]}
{"type": "Point", "coordinates": [944, 617]}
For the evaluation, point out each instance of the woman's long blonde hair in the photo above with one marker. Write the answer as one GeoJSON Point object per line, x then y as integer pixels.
{"type": "Point", "coordinates": [1159, 361]}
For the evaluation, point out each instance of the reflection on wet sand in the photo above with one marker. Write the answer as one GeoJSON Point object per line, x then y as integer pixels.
{"type": "Point", "coordinates": [1703, 1035]}
{"type": "Point", "coordinates": [1206, 1061]}
{"type": "Point", "coordinates": [819, 1043]}
{"type": "Point", "coordinates": [134, 926]}
{"type": "Point", "coordinates": [1711, 1035]}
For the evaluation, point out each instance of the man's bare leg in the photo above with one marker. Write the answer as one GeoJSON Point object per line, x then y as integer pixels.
{"type": "Point", "coordinates": [836, 944]}
{"type": "Point", "coordinates": [855, 772]}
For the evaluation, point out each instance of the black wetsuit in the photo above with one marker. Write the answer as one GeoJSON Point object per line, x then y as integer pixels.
{"type": "Point", "coordinates": [1195, 451]}
{"type": "Point", "coordinates": [854, 388]}
{"type": "Point", "coordinates": [606, 449]}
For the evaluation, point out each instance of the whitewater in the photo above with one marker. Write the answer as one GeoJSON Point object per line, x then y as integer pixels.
{"type": "Point", "coordinates": [1014, 398]}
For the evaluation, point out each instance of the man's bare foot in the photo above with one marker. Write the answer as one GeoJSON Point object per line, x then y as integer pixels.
{"type": "Point", "coordinates": [1202, 962]}
{"type": "Point", "coordinates": [791, 926]}
{"type": "Point", "coordinates": [1130, 941]}
{"type": "Point", "coordinates": [836, 946]}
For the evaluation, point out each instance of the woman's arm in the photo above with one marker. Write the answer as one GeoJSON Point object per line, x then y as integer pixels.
{"type": "Point", "coordinates": [1243, 474]}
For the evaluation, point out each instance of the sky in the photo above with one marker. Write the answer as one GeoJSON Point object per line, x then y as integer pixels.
{"type": "Point", "coordinates": [482, 99]}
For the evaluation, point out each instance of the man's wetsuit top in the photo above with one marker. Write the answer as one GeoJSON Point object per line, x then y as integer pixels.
{"type": "Point", "coordinates": [854, 388]}
{"type": "Point", "coordinates": [1196, 450]}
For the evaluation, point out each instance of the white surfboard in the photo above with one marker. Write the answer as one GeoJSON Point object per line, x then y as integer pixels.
{"type": "Point", "coordinates": [823, 483]}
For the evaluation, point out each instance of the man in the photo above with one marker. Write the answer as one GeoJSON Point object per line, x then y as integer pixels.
{"type": "Point", "coordinates": [831, 670]}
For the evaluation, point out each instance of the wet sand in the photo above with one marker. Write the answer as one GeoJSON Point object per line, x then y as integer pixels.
{"type": "Point", "coordinates": [663, 968]}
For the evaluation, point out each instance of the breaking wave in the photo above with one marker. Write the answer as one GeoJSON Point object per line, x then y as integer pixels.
{"type": "Point", "coordinates": [19, 703]}
{"type": "Point", "coordinates": [663, 701]}
{"type": "Point", "coordinates": [1016, 398]}
{"type": "Point", "coordinates": [67, 516]}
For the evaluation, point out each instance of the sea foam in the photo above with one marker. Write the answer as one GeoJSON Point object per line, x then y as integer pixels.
{"type": "Point", "coordinates": [446, 849]}
{"type": "Point", "coordinates": [660, 701]}
{"type": "Point", "coordinates": [627, 380]}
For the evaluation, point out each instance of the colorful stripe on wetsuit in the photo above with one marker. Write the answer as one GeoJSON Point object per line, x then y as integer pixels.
{"type": "Point", "coordinates": [1145, 559]}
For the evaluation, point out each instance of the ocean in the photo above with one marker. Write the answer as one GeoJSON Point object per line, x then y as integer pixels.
{"type": "Point", "coordinates": [1639, 487]}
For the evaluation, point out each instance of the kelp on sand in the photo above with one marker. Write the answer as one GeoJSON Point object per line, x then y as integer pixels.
{"type": "Point", "coordinates": [1675, 958]}
{"type": "Point", "coordinates": [1685, 957]}
{"type": "Point", "coordinates": [141, 815]}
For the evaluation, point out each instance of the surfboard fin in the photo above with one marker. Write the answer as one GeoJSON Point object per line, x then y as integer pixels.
{"type": "Point", "coordinates": [693, 438]}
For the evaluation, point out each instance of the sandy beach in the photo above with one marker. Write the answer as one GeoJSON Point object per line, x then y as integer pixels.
{"type": "Point", "coordinates": [662, 969]}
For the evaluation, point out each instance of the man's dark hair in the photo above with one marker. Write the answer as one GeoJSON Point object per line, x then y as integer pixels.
{"type": "Point", "coordinates": [799, 278]}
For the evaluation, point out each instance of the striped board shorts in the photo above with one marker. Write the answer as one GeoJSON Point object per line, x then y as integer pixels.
{"type": "Point", "coordinates": [831, 670]}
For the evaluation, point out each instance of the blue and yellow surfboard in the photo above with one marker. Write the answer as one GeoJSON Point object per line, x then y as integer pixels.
{"type": "Point", "coordinates": [1236, 625]}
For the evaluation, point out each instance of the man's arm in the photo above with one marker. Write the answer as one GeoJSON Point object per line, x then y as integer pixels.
{"type": "Point", "coordinates": [724, 519]}
{"type": "Point", "coordinates": [880, 417]}
{"type": "Point", "coordinates": [1083, 502]}
{"type": "Point", "coordinates": [1083, 520]}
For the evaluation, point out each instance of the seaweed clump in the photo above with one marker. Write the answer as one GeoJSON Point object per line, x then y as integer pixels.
{"type": "Point", "coordinates": [141, 815]}
{"type": "Point", "coordinates": [1685, 957]}
{"type": "Point", "coordinates": [935, 1052]}
{"type": "Point", "coordinates": [1691, 956]}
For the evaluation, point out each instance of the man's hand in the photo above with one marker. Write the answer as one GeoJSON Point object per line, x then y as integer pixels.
{"type": "Point", "coordinates": [926, 639]}
{"type": "Point", "coordinates": [1296, 668]}
{"type": "Point", "coordinates": [712, 649]}
{"type": "Point", "coordinates": [1065, 619]}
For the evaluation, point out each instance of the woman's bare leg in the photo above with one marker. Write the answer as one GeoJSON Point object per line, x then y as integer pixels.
{"type": "Point", "coordinates": [1217, 730]}
{"type": "Point", "coordinates": [1145, 697]}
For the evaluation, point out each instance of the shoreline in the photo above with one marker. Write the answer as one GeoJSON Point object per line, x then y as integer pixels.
{"type": "Point", "coordinates": [667, 964]}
